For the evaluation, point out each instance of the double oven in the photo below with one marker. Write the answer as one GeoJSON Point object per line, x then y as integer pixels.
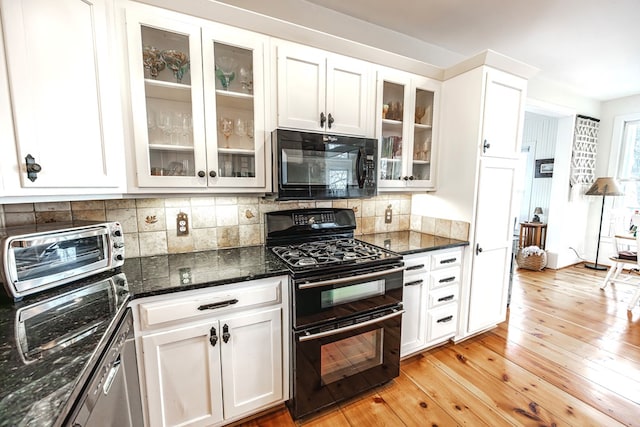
{"type": "Point", "coordinates": [346, 307]}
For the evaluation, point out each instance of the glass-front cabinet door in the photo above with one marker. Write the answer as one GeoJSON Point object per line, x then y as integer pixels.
{"type": "Point", "coordinates": [165, 64]}
{"type": "Point", "coordinates": [234, 106]}
{"type": "Point", "coordinates": [406, 106]}
{"type": "Point", "coordinates": [393, 99]}
{"type": "Point", "coordinates": [425, 96]}
{"type": "Point", "coordinates": [197, 96]}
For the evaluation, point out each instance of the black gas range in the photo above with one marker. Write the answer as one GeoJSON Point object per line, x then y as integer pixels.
{"type": "Point", "coordinates": [346, 298]}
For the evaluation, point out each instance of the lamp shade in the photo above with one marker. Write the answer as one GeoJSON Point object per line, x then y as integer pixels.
{"type": "Point", "coordinates": [538, 211]}
{"type": "Point", "coordinates": [605, 186]}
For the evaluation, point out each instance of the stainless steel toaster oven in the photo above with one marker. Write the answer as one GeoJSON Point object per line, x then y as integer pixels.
{"type": "Point", "coordinates": [42, 256]}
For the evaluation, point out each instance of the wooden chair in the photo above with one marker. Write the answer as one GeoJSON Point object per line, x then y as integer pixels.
{"type": "Point", "coordinates": [623, 261]}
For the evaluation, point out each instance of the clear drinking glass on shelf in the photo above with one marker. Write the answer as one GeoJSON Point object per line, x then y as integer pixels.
{"type": "Point", "coordinates": [246, 79]}
{"type": "Point", "coordinates": [241, 127]}
{"type": "Point", "coordinates": [186, 129]}
{"type": "Point", "coordinates": [250, 129]}
{"type": "Point", "coordinates": [165, 124]}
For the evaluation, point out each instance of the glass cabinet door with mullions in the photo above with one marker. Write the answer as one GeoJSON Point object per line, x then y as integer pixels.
{"type": "Point", "coordinates": [422, 136]}
{"type": "Point", "coordinates": [197, 101]}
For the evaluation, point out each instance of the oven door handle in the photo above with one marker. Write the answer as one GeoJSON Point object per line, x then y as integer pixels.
{"type": "Point", "coordinates": [350, 327]}
{"type": "Point", "coordinates": [351, 278]}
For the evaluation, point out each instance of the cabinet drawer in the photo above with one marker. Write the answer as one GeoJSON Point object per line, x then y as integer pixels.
{"type": "Point", "coordinates": [446, 259]}
{"type": "Point", "coordinates": [445, 277]}
{"type": "Point", "coordinates": [442, 321]}
{"type": "Point", "coordinates": [232, 297]}
{"type": "Point", "coordinates": [443, 296]}
{"type": "Point", "coordinates": [417, 265]}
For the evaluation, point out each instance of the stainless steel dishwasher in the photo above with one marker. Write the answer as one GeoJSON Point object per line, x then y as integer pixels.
{"type": "Point", "coordinates": [112, 397]}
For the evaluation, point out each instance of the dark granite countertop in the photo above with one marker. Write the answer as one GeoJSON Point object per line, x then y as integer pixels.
{"type": "Point", "coordinates": [38, 388]}
{"type": "Point", "coordinates": [41, 392]}
{"type": "Point", "coordinates": [410, 242]}
{"type": "Point", "coordinates": [164, 274]}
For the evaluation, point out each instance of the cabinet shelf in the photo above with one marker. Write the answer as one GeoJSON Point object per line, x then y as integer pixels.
{"type": "Point", "coordinates": [390, 159]}
{"type": "Point", "coordinates": [168, 147]}
{"type": "Point", "coordinates": [392, 123]}
{"type": "Point", "coordinates": [421, 126]}
{"type": "Point", "coordinates": [238, 100]}
{"type": "Point", "coordinates": [421, 162]}
{"type": "Point", "coordinates": [167, 90]}
{"type": "Point", "coordinates": [241, 151]}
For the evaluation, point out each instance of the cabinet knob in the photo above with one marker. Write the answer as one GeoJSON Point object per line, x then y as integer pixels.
{"type": "Point", "coordinates": [330, 120]}
{"type": "Point", "coordinates": [32, 167]}
{"type": "Point", "coordinates": [201, 174]}
{"type": "Point", "coordinates": [406, 178]}
{"type": "Point", "coordinates": [213, 174]}
{"type": "Point", "coordinates": [478, 249]}
{"type": "Point", "coordinates": [485, 146]}
{"type": "Point", "coordinates": [411, 178]}
{"type": "Point", "coordinates": [322, 120]}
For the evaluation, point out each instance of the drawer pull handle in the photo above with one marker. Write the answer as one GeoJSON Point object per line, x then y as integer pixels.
{"type": "Point", "coordinates": [220, 304]}
{"type": "Point", "coordinates": [414, 283]}
{"type": "Point", "coordinates": [448, 260]}
{"type": "Point", "coordinates": [445, 319]}
{"type": "Point", "coordinates": [415, 267]}
{"type": "Point", "coordinates": [447, 298]}
{"type": "Point", "coordinates": [447, 279]}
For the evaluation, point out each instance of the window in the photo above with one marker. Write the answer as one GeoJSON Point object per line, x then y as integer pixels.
{"type": "Point", "coordinates": [629, 163]}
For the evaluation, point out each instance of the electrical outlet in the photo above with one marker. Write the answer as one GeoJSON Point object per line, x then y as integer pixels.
{"type": "Point", "coordinates": [182, 224]}
{"type": "Point", "coordinates": [388, 215]}
{"type": "Point", "coordinates": [185, 275]}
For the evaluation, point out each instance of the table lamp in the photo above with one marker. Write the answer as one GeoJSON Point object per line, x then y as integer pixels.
{"type": "Point", "coordinates": [604, 186]}
{"type": "Point", "coordinates": [536, 214]}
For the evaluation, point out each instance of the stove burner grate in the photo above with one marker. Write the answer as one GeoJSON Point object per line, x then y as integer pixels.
{"type": "Point", "coordinates": [328, 252]}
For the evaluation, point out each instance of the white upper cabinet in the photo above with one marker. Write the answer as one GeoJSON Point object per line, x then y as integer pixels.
{"type": "Point", "coordinates": [323, 92]}
{"type": "Point", "coordinates": [407, 108]}
{"type": "Point", "coordinates": [197, 102]}
{"type": "Point", "coordinates": [67, 135]}
{"type": "Point", "coordinates": [504, 100]}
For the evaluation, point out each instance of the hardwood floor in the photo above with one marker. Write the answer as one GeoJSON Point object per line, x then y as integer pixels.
{"type": "Point", "coordinates": [568, 355]}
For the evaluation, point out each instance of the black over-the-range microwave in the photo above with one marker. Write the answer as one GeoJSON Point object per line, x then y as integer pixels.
{"type": "Point", "coordinates": [316, 166]}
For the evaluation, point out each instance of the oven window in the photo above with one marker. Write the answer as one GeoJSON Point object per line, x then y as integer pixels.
{"type": "Point", "coordinates": [345, 294]}
{"type": "Point", "coordinates": [350, 356]}
{"type": "Point", "coordinates": [46, 258]}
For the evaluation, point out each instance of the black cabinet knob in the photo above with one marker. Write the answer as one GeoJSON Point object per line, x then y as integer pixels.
{"type": "Point", "coordinates": [213, 174]}
{"type": "Point", "coordinates": [32, 167]}
{"type": "Point", "coordinates": [406, 178]}
{"type": "Point", "coordinates": [201, 174]}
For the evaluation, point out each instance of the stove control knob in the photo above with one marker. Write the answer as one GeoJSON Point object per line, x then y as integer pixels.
{"type": "Point", "coordinates": [312, 220]}
{"type": "Point", "coordinates": [119, 257]}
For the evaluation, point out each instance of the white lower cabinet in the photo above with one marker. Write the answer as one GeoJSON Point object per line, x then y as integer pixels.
{"type": "Point", "coordinates": [430, 299]}
{"type": "Point", "coordinates": [221, 360]}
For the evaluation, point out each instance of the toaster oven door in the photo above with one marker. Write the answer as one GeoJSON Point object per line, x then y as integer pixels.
{"type": "Point", "coordinates": [38, 262]}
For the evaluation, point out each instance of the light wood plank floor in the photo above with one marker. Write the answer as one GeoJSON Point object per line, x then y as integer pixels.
{"type": "Point", "coordinates": [568, 355]}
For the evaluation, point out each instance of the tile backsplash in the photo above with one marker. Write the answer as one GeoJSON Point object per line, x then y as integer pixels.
{"type": "Point", "coordinates": [150, 225]}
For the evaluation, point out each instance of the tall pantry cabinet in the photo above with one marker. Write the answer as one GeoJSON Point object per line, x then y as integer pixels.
{"type": "Point", "coordinates": [482, 114]}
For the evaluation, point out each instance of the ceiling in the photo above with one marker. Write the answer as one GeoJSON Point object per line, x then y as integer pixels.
{"type": "Point", "coordinates": [589, 46]}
